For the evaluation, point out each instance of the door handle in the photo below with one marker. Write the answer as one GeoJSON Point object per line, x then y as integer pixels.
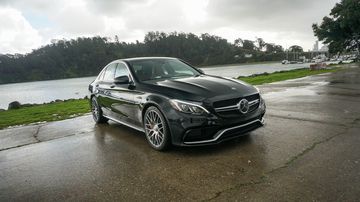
{"type": "Point", "coordinates": [112, 86]}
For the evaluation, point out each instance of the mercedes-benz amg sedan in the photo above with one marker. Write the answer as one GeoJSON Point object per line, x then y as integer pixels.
{"type": "Point", "coordinates": [174, 102]}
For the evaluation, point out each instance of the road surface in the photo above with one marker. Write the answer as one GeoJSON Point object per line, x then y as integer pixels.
{"type": "Point", "coordinates": [307, 151]}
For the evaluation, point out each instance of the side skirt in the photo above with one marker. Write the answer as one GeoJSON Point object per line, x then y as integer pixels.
{"type": "Point", "coordinates": [125, 124]}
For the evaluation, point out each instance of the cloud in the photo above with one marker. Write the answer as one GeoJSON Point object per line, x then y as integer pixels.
{"type": "Point", "coordinates": [278, 21]}
{"type": "Point", "coordinates": [157, 15]}
{"type": "Point", "coordinates": [271, 15]}
{"type": "Point", "coordinates": [74, 18]}
{"type": "Point", "coordinates": [16, 33]}
{"type": "Point", "coordinates": [113, 7]}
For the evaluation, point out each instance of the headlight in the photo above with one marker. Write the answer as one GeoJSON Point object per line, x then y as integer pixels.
{"type": "Point", "coordinates": [188, 107]}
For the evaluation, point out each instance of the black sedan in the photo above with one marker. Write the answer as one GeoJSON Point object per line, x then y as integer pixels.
{"type": "Point", "coordinates": [175, 103]}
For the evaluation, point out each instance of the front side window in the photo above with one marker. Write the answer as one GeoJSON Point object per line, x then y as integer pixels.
{"type": "Point", "coordinates": [109, 74]}
{"type": "Point", "coordinates": [121, 70]}
{"type": "Point", "coordinates": [154, 69]}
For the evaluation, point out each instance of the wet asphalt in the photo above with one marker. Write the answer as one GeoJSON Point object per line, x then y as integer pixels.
{"type": "Point", "coordinates": [307, 151]}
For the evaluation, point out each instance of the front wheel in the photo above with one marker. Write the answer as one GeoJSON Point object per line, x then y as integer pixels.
{"type": "Point", "coordinates": [97, 112]}
{"type": "Point", "coordinates": [156, 129]}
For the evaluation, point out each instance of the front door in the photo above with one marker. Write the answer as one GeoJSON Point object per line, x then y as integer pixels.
{"type": "Point", "coordinates": [122, 97]}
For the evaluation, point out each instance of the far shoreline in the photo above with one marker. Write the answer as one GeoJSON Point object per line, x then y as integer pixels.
{"type": "Point", "coordinates": [198, 66]}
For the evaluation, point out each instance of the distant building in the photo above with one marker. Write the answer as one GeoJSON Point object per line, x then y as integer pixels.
{"type": "Point", "coordinates": [319, 55]}
{"type": "Point", "coordinates": [316, 46]}
{"type": "Point", "coordinates": [302, 58]}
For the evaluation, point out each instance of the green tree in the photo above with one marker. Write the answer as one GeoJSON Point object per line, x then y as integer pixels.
{"type": "Point", "coordinates": [260, 44]}
{"type": "Point", "coordinates": [296, 49]}
{"type": "Point", "coordinates": [239, 42]}
{"type": "Point", "coordinates": [341, 30]}
{"type": "Point", "coordinates": [249, 45]}
{"type": "Point", "coordinates": [273, 48]}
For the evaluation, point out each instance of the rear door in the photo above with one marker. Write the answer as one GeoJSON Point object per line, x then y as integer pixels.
{"type": "Point", "coordinates": [104, 88]}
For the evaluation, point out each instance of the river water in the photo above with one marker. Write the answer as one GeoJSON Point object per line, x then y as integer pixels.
{"type": "Point", "coordinates": [46, 91]}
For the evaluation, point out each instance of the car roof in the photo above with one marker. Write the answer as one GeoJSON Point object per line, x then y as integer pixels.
{"type": "Point", "coordinates": [144, 58]}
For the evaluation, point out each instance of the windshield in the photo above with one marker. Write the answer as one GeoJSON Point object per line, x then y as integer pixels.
{"type": "Point", "coordinates": [154, 69]}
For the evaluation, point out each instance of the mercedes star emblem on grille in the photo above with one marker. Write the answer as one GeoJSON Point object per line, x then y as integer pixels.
{"type": "Point", "coordinates": [243, 106]}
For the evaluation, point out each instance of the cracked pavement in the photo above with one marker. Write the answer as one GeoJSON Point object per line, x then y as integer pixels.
{"type": "Point", "coordinates": [307, 151]}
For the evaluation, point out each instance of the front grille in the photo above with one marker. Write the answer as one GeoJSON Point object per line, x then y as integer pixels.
{"type": "Point", "coordinates": [234, 101]}
{"type": "Point", "coordinates": [229, 109]}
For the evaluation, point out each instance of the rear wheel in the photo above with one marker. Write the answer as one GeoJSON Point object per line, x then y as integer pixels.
{"type": "Point", "coordinates": [97, 112]}
{"type": "Point", "coordinates": [156, 129]}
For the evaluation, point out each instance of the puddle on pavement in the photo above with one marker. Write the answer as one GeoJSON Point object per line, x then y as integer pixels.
{"type": "Point", "coordinates": [298, 91]}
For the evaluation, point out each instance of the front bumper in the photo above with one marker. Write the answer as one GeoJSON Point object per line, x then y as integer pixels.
{"type": "Point", "coordinates": [190, 130]}
{"type": "Point", "coordinates": [229, 133]}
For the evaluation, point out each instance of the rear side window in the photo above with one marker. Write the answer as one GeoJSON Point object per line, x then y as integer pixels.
{"type": "Point", "coordinates": [110, 72]}
{"type": "Point", "coordinates": [101, 75]}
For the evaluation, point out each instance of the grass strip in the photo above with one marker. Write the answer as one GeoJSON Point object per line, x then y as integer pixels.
{"type": "Point", "coordinates": [258, 79]}
{"type": "Point", "coordinates": [44, 112]}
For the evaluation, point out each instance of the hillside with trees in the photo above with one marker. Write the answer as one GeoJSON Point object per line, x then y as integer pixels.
{"type": "Point", "coordinates": [87, 56]}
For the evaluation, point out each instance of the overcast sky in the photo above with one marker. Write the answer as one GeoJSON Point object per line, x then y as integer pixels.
{"type": "Point", "coordinates": [28, 24]}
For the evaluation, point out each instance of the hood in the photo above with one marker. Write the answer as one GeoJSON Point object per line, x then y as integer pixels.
{"type": "Point", "coordinates": [202, 87]}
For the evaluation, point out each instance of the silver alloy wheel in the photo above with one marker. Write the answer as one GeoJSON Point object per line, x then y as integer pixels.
{"type": "Point", "coordinates": [154, 127]}
{"type": "Point", "coordinates": [95, 109]}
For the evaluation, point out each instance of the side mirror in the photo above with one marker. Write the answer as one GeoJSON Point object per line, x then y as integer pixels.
{"type": "Point", "coordinates": [122, 80]}
{"type": "Point", "coordinates": [200, 70]}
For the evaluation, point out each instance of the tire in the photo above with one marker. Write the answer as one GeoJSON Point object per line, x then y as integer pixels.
{"type": "Point", "coordinates": [96, 112]}
{"type": "Point", "coordinates": [156, 129]}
